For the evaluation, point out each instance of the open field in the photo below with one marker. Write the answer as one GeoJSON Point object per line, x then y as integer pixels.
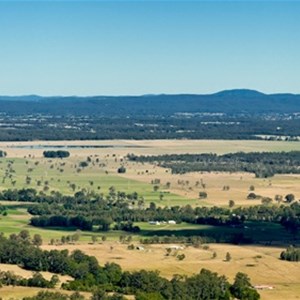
{"type": "Point", "coordinates": [260, 263]}
{"type": "Point", "coordinates": [58, 175]}
{"type": "Point", "coordinates": [102, 171]}
{"type": "Point", "coordinates": [239, 184]}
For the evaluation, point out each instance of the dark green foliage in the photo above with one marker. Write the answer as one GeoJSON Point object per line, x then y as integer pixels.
{"type": "Point", "coordinates": [127, 226]}
{"type": "Point", "coordinates": [47, 295]}
{"type": "Point", "coordinates": [242, 288]}
{"type": "Point", "coordinates": [122, 170]}
{"type": "Point", "coordinates": [147, 281]}
{"type": "Point", "coordinates": [3, 210]}
{"type": "Point", "coordinates": [290, 198]}
{"type": "Point", "coordinates": [263, 164]}
{"type": "Point", "coordinates": [202, 195]}
{"type": "Point", "coordinates": [83, 164]}
{"type": "Point", "coordinates": [79, 222]}
{"type": "Point", "coordinates": [181, 256]}
{"type": "Point", "coordinates": [2, 153]}
{"type": "Point", "coordinates": [228, 256]}
{"type": "Point", "coordinates": [149, 296]}
{"type": "Point", "coordinates": [291, 254]}
{"type": "Point", "coordinates": [207, 285]}
{"type": "Point", "coordinates": [56, 154]}
{"type": "Point", "coordinates": [37, 240]}
{"type": "Point", "coordinates": [37, 280]}
{"type": "Point", "coordinates": [252, 196]}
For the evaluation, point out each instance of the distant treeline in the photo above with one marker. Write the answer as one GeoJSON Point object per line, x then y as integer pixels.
{"type": "Point", "coordinates": [149, 126]}
{"type": "Point", "coordinates": [88, 275]}
{"type": "Point", "coordinates": [56, 154]}
{"type": "Point", "coordinates": [262, 164]}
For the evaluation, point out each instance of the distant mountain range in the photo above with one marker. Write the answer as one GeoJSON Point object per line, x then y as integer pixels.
{"type": "Point", "coordinates": [229, 102]}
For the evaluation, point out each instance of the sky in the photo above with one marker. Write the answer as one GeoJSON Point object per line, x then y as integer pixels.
{"type": "Point", "coordinates": [148, 47]}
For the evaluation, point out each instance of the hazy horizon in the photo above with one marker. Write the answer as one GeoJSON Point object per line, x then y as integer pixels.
{"type": "Point", "coordinates": [144, 95]}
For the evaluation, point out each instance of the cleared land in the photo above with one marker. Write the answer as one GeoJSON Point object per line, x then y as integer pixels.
{"type": "Point", "coordinates": [148, 147]}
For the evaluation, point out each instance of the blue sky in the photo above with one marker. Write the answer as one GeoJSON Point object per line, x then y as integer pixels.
{"type": "Point", "coordinates": [142, 47]}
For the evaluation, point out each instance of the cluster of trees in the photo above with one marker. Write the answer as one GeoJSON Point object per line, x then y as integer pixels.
{"type": "Point", "coordinates": [56, 154]}
{"type": "Point", "coordinates": [2, 153]}
{"type": "Point", "coordinates": [263, 164]}
{"type": "Point", "coordinates": [121, 170]}
{"type": "Point", "coordinates": [191, 240]}
{"type": "Point", "coordinates": [37, 280]}
{"type": "Point", "coordinates": [25, 195]}
{"type": "Point", "coordinates": [291, 254]}
{"type": "Point", "coordinates": [127, 226]}
{"type": "Point", "coordinates": [88, 275]}
{"type": "Point", "coordinates": [80, 222]}
{"type": "Point", "coordinates": [24, 237]}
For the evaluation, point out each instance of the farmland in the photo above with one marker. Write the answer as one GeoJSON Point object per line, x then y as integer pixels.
{"type": "Point", "coordinates": [110, 155]}
{"type": "Point", "coordinates": [260, 262]}
{"type": "Point", "coordinates": [25, 167]}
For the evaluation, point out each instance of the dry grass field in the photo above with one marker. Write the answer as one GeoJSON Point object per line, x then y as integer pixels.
{"type": "Point", "coordinates": [148, 147]}
{"type": "Point", "coordinates": [239, 184]}
{"type": "Point", "coordinates": [260, 263]}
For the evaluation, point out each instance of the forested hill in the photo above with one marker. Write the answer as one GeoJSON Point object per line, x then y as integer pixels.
{"type": "Point", "coordinates": [229, 102]}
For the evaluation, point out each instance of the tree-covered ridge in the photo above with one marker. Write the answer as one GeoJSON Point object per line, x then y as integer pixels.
{"type": "Point", "coordinates": [89, 275]}
{"type": "Point", "coordinates": [263, 164]}
{"type": "Point", "coordinates": [234, 101]}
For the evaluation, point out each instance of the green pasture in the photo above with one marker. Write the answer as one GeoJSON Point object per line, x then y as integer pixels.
{"type": "Point", "coordinates": [18, 219]}
{"type": "Point", "coordinates": [59, 175]}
